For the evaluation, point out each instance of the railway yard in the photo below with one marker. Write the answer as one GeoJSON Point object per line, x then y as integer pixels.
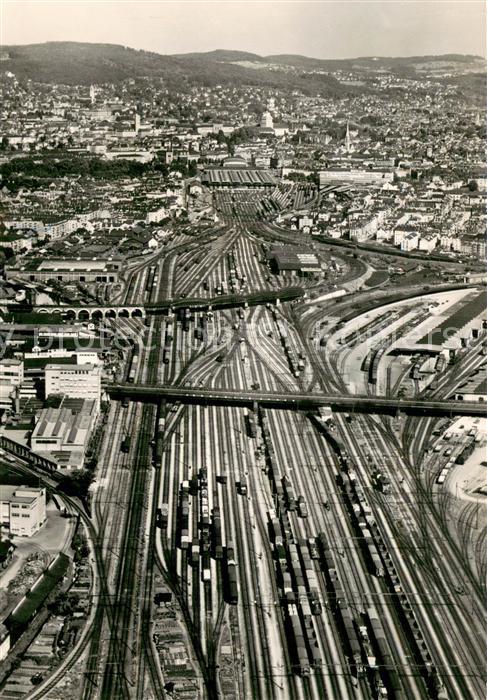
{"type": "Point", "coordinates": [287, 554]}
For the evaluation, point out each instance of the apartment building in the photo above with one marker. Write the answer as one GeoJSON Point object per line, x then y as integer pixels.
{"type": "Point", "coordinates": [22, 509]}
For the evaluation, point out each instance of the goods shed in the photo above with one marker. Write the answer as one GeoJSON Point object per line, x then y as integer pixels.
{"type": "Point", "coordinates": [292, 260]}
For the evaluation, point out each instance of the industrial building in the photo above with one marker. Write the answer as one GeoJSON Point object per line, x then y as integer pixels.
{"type": "Point", "coordinates": [62, 434]}
{"type": "Point", "coordinates": [357, 176]}
{"type": "Point", "coordinates": [11, 379]}
{"type": "Point", "coordinates": [468, 320]}
{"type": "Point", "coordinates": [66, 270]}
{"type": "Point", "coordinates": [290, 260]}
{"type": "Point", "coordinates": [74, 381]}
{"type": "Point", "coordinates": [22, 509]}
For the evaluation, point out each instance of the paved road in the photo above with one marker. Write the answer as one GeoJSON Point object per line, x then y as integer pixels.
{"type": "Point", "coordinates": [357, 403]}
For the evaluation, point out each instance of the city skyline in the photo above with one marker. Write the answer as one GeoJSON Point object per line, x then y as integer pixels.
{"type": "Point", "coordinates": [315, 29]}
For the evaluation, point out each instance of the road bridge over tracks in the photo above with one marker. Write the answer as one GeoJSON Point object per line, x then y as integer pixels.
{"type": "Point", "coordinates": [297, 401]}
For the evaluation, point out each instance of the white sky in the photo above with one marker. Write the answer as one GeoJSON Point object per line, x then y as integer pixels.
{"type": "Point", "coordinates": [321, 28]}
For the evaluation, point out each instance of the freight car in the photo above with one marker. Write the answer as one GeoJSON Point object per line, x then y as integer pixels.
{"type": "Point", "coordinates": [231, 570]}
{"type": "Point", "coordinates": [297, 642]}
{"type": "Point", "coordinates": [125, 444]}
{"type": "Point", "coordinates": [162, 515]}
{"type": "Point", "coordinates": [387, 665]}
{"type": "Point", "coordinates": [249, 418]}
{"type": "Point", "coordinates": [302, 507]}
{"type": "Point", "coordinates": [374, 364]}
{"type": "Point", "coordinates": [241, 483]}
{"type": "Point", "coordinates": [134, 363]}
{"type": "Point", "coordinates": [466, 452]}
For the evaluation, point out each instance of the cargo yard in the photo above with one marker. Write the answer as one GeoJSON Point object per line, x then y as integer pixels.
{"type": "Point", "coordinates": [303, 549]}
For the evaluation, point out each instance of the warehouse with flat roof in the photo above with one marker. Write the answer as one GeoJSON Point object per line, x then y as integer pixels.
{"type": "Point", "coordinates": [293, 260]}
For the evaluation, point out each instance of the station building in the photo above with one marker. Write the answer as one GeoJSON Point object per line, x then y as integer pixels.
{"type": "Point", "coordinates": [235, 174]}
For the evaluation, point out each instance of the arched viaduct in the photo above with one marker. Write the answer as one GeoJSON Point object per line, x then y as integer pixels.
{"type": "Point", "coordinates": [93, 313]}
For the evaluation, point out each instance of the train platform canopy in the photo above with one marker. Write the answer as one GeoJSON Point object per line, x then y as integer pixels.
{"type": "Point", "coordinates": [239, 177]}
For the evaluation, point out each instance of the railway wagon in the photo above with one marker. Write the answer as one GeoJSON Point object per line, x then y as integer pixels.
{"type": "Point", "coordinates": [162, 515]}
{"type": "Point", "coordinates": [249, 419]}
{"type": "Point", "coordinates": [195, 552]}
{"type": "Point", "coordinates": [365, 367]}
{"type": "Point", "coordinates": [232, 586]}
{"type": "Point", "coordinates": [159, 449]}
{"type": "Point", "coordinates": [216, 530]}
{"type": "Point", "coordinates": [297, 642]}
{"type": "Point", "coordinates": [184, 540]}
{"type": "Point", "coordinates": [186, 319]}
{"type": "Point", "coordinates": [274, 527]}
{"type": "Point", "coordinates": [465, 453]}
{"type": "Point", "coordinates": [313, 548]}
{"type": "Point", "coordinates": [350, 639]}
{"type": "Point", "coordinates": [241, 484]}
{"type": "Point", "coordinates": [302, 507]}
{"type": "Point", "coordinates": [371, 552]}
{"type": "Point", "coordinates": [125, 444]}
{"type": "Point", "coordinates": [440, 479]}
{"type": "Point", "coordinates": [205, 568]}
{"type": "Point", "coordinates": [289, 493]}
{"type": "Point", "coordinates": [133, 367]}
{"type": "Point", "coordinates": [374, 365]}
{"type": "Point", "coordinates": [440, 363]}
{"type": "Point", "coordinates": [387, 665]}
{"type": "Point", "coordinates": [150, 279]}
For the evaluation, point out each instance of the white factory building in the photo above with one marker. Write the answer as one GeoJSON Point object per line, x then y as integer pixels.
{"type": "Point", "coordinates": [22, 509]}
{"type": "Point", "coordinates": [11, 377]}
{"type": "Point", "coordinates": [74, 381]}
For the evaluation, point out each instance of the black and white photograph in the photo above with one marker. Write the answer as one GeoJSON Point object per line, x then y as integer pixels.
{"type": "Point", "coordinates": [243, 349]}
